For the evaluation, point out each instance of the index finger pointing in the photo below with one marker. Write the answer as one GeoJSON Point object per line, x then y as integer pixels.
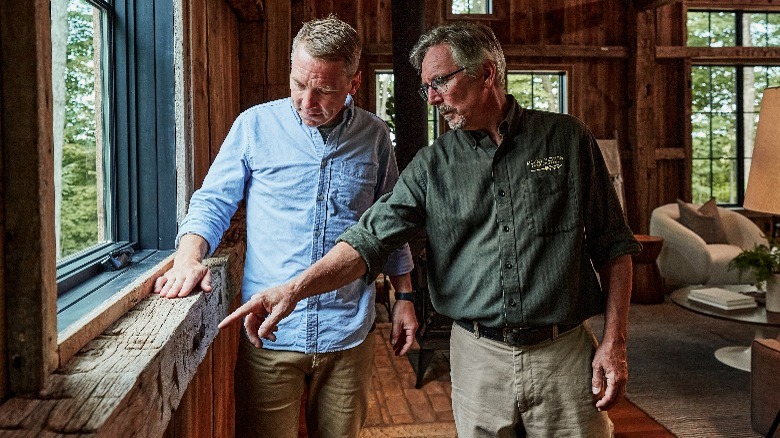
{"type": "Point", "coordinates": [240, 313]}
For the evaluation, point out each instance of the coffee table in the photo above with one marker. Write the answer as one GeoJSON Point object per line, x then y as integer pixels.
{"type": "Point", "coordinates": [736, 356]}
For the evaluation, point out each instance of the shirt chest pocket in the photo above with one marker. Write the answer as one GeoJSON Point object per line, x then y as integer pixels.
{"type": "Point", "coordinates": [552, 204]}
{"type": "Point", "coordinates": [357, 183]}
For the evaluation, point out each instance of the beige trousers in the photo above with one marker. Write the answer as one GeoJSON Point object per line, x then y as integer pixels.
{"type": "Point", "coordinates": [539, 391]}
{"type": "Point", "coordinates": [269, 385]}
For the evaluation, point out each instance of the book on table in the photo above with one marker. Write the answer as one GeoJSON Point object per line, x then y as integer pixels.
{"type": "Point", "coordinates": [722, 298]}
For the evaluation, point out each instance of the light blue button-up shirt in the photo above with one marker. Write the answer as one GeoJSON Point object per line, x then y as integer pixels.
{"type": "Point", "coordinates": [302, 193]}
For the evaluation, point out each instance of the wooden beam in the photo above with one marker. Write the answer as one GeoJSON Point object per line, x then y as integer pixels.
{"type": "Point", "coordinates": [519, 50]}
{"type": "Point", "coordinates": [248, 10]}
{"type": "Point", "coordinates": [641, 5]}
{"type": "Point", "coordinates": [28, 197]}
{"type": "Point", "coordinates": [669, 154]}
{"type": "Point", "coordinates": [129, 380]}
{"type": "Point", "coordinates": [720, 55]}
{"type": "Point", "coordinates": [743, 5]}
{"type": "Point", "coordinates": [565, 51]}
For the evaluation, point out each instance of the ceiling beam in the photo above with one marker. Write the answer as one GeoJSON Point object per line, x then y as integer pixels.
{"type": "Point", "coordinates": [641, 5]}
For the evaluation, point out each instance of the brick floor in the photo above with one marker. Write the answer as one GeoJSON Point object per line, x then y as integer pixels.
{"type": "Point", "coordinates": [394, 399]}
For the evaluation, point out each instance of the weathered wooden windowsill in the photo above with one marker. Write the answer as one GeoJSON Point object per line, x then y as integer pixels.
{"type": "Point", "coordinates": [128, 380]}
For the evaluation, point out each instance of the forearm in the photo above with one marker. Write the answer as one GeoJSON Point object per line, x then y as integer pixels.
{"type": "Point", "coordinates": [401, 283]}
{"type": "Point", "coordinates": [192, 247]}
{"type": "Point", "coordinates": [340, 266]}
{"type": "Point", "coordinates": [616, 282]}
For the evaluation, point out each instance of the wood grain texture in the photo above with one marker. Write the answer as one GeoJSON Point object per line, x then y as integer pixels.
{"type": "Point", "coordinates": [128, 380]}
{"type": "Point", "coordinates": [28, 202]}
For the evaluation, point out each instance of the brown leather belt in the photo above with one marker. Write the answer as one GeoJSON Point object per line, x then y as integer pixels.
{"type": "Point", "coordinates": [517, 336]}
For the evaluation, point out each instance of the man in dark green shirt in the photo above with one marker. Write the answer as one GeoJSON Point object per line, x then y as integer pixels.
{"type": "Point", "coordinates": [520, 214]}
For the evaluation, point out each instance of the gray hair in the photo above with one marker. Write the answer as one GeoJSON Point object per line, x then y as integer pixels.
{"type": "Point", "coordinates": [470, 44]}
{"type": "Point", "coordinates": [330, 39]}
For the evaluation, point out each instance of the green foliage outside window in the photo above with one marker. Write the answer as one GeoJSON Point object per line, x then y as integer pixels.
{"type": "Point", "coordinates": [471, 7]}
{"type": "Point", "coordinates": [725, 102]}
{"type": "Point", "coordinates": [537, 90]}
{"type": "Point", "coordinates": [78, 221]}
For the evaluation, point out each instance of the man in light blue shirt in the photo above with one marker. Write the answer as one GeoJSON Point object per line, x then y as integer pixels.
{"type": "Point", "coordinates": [308, 167]}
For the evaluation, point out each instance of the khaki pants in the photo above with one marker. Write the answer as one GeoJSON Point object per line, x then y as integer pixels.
{"type": "Point", "coordinates": [543, 390]}
{"type": "Point", "coordinates": [269, 385]}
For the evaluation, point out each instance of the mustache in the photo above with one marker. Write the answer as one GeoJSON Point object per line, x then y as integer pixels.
{"type": "Point", "coordinates": [443, 109]}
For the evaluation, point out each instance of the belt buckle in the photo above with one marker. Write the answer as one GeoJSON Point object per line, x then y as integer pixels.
{"type": "Point", "coordinates": [508, 333]}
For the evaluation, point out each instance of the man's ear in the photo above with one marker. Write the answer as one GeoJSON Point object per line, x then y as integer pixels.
{"type": "Point", "coordinates": [354, 83]}
{"type": "Point", "coordinates": [489, 73]}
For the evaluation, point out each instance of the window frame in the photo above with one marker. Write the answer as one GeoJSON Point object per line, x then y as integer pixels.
{"type": "Point", "coordinates": [563, 74]}
{"type": "Point", "coordinates": [739, 112]}
{"type": "Point", "coordinates": [452, 16]}
{"type": "Point", "coordinates": [139, 161]}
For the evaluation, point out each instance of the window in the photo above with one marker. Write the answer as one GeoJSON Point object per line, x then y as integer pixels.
{"type": "Point", "coordinates": [471, 7]}
{"type": "Point", "coordinates": [114, 137]}
{"type": "Point", "coordinates": [384, 104]}
{"type": "Point", "coordinates": [538, 89]}
{"type": "Point", "coordinates": [725, 101]}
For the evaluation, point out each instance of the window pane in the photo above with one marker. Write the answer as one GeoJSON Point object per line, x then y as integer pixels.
{"type": "Point", "coordinates": [757, 23]}
{"type": "Point", "coordinates": [724, 180]}
{"type": "Point", "coordinates": [698, 28]}
{"type": "Point", "coordinates": [433, 124]}
{"type": "Point", "coordinates": [78, 125]}
{"type": "Point", "coordinates": [538, 90]}
{"type": "Point", "coordinates": [701, 181]}
{"type": "Point", "coordinates": [724, 136]}
{"type": "Point", "coordinates": [773, 30]}
{"type": "Point", "coordinates": [723, 87]}
{"type": "Point", "coordinates": [385, 101]}
{"type": "Point", "coordinates": [700, 133]}
{"type": "Point", "coordinates": [722, 29]}
{"type": "Point", "coordinates": [700, 82]}
{"type": "Point", "coordinates": [471, 7]}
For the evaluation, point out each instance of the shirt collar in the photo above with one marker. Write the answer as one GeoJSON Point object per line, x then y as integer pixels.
{"type": "Point", "coordinates": [507, 126]}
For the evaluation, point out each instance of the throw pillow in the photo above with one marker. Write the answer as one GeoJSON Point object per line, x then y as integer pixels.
{"type": "Point", "coordinates": [705, 221]}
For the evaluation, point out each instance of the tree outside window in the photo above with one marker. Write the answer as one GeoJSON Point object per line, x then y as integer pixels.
{"type": "Point", "coordinates": [725, 102]}
{"type": "Point", "coordinates": [78, 92]}
{"type": "Point", "coordinates": [538, 89]}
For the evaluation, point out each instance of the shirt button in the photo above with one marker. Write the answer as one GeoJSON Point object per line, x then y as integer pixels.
{"type": "Point", "coordinates": [508, 265]}
{"type": "Point", "coordinates": [506, 228]}
{"type": "Point", "coordinates": [320, 198]}
{"type": "Point", "coordinates": [501, 193]}
{"type": "Point", "coordinates": [317, 233]}
{"type": "Point", "coordinates": [512, 303]}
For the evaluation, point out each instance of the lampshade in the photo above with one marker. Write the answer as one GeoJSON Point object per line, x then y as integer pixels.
{"type": "Point", "coordinates": [763, 187]}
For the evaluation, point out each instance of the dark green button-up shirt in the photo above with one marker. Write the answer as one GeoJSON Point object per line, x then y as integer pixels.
{"type": "Point", "coordinates": [514, 232]}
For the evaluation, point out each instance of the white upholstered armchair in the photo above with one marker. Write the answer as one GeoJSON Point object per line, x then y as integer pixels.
{"type": "Point", "coordinates": [687, 259]}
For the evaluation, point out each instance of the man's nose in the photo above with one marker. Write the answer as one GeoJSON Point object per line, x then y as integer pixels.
{"type": "Point", "coordinates": [308, 99]}
{"type": "Point", "coordinates": [433, 96]}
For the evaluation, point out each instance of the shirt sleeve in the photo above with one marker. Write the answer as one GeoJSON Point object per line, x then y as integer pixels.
{"type": "Point", "coordinates": [391, 222]}
{"type": "Point", "coordinates": [213, 205]}
{"type": "Point", "coordinates": [607, 233]}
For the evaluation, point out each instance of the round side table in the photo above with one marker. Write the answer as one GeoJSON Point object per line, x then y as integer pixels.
{"type": "Point", "coordinates": [648, 286]}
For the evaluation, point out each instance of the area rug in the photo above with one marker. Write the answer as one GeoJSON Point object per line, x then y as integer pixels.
{"type": "Point", "coordinates": [674, 376]}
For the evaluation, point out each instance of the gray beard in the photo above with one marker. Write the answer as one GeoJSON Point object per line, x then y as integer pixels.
{"type": "Point", "coordinates": [451, 122]}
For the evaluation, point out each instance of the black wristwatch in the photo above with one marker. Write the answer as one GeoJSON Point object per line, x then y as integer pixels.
{"type": "Point", "coordinates": [404, 296]}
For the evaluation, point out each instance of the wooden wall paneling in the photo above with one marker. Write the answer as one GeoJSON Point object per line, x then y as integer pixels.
{"type": "Point", "coordinates": [225, 350]}
{"type": "Point", "coordinates": [251, 62]}
{"type": "Point", "coordinates": [223, 107]}
{"type": "Point", "coordinates": [194, 417]}
{"type": "Point", "coordinates": [278, 37]}
{"type": "Point", "coordinates": [28, 253]}
{"type": "Point", "coordinates": [199, 88]}
{"type": "Point", "coordinates": [687, 163]}
{"type": "Point", "coordinates": [642, 122]}
{"type": "Point", "coordinates": [385, 22]}
{"type": "Point", "coordinates": [3, 349]}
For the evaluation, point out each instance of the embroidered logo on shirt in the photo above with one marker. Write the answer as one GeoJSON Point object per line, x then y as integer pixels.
{"type": "Point", "coordinates": [545, 164]}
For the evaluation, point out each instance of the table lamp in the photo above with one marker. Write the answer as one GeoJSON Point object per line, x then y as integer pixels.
{"type": "Point", "coordinates": [763, 187]}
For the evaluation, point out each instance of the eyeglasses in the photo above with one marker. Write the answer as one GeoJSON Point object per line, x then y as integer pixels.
{"type": "Point", "coordinates": [438, 84]}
